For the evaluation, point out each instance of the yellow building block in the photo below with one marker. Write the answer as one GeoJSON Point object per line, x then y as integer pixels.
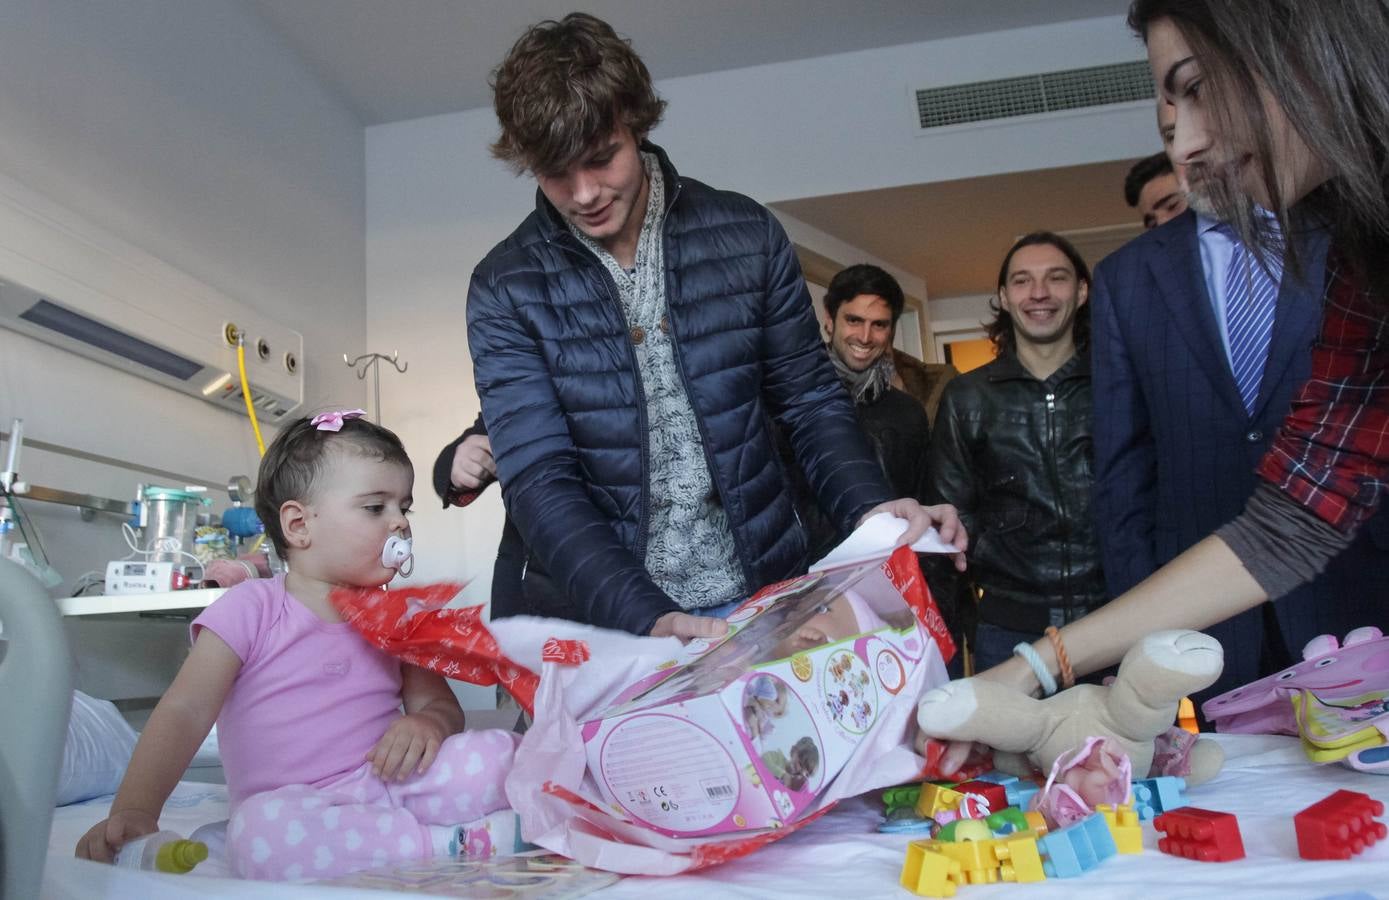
{"type": "Point", "coordinates": [935, 798]}
{"type": "Point", "coordinates": [1012, 858]}
{"type": "Point", "coordinates": [929, 874]}
{"type": "Point", "coordinates": [978, 860]}
{"type": "Point", "coordinates": [1123, 825]}
{"type": "Point", "coordinates": [1036, 822]}
{"type": "Point", "coordinates": [1019, 859]}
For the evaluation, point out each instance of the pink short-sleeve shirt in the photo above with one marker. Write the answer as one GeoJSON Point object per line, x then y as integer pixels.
{"type": "Point", "coordinates": [312, 697]}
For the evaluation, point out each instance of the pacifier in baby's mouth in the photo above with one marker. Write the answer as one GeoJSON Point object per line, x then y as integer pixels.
{"type": "Point", "coordinates": [398, 554]}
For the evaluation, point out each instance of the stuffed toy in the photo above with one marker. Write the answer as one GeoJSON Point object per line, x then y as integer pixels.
{"type": "Point", "coordinates": [1133, 713]}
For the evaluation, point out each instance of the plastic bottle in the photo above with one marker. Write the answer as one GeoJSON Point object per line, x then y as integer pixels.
{"type": "Point", "coordinates": [163, 851]}
{"type": "Point", "coordinates": [214, 836]}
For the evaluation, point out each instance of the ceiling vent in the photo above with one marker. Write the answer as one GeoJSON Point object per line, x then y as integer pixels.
{"type": "Point", "coordinates": [1007, 98]}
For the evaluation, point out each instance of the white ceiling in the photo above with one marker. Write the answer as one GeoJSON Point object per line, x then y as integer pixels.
{"type": "Point", "coordinates": [402, 59]}
{"type": "Point", "coordinates": [392, 60]}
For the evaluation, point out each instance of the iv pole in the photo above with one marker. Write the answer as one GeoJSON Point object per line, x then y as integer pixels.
{"type": "Point", "coordinates": [372, 363]}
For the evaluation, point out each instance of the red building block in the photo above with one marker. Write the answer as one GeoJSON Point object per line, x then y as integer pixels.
{"type": "Point", "coordinates": [996, 794]}
{"type": "Point", "coordinates": [1338, 826]}
{"type": "Point", "coordinates": [1200, 834]}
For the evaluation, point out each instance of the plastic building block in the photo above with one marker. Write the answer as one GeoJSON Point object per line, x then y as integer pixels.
{"type": "Point", "coordinates": [1338, 826]}
{"type": "Point", "coordinates": [935, 799]}
{"type": "Point", "coordinates": [1155, 796]}
{"type": "Point", "coordinates": [1006, 821]}
{"type": "Point", "coordinates": [1200, 834]}
{"type": "Point", "coordinates": [1123, 827]}
{"type": "Point", "coordinates": [978, 860]}
{"type": "Point", "coordinates": [1014, 858]}
{"type": "Point", "coordinates": [1036, 822]}
{"type": "Point", "coordinates": [997, 777]}
{"type": "Point", "coordinates": [1020, 793]}
{"type": "Point", "coordinates": [906, 795]}
{"type": "Point", "coordinates": [929, 874]}
{"type": "Point", "coordinates": [996, 794]}
{"type": "Point", "coordinates": [904, 820]}
{"type": "Point", "coordinates": [1077, 848]}
{"type": "Point", "coordinates": [973, 806]}
{"type": "Point", "coordinates": [1019, 859]}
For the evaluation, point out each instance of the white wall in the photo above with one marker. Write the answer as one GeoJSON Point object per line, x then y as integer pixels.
{"type": "Point", "coordinates": [189, 131]}
{"type": "Point", "coordinates": [916, 337]}
{"type": "Point", "coordinates": [962, 313]}
{"type": "Point", "coordinates": [436, 202]}
{"type": "Point", "coordinates": [847, 122]}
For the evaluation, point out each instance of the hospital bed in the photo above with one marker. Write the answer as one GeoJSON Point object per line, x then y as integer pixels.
{"type": "Point", "coordinates": [1266, 779]}
{"type": "Point", "coordinates": [35, 690]}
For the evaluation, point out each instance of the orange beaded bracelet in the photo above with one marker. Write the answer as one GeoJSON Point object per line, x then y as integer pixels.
{"type": "Point", "coordinates": [1063, 662]}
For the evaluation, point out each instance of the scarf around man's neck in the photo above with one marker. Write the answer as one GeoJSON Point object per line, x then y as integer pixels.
{"type": "Point", "coordinates": [870, 384]}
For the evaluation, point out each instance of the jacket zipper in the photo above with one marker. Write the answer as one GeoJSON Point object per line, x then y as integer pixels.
{"type": "Point", "coordinates": [1054, 469]}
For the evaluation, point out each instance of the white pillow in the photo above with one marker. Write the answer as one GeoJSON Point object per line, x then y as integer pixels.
{"type": "Point", "coordinates": [97, 751]}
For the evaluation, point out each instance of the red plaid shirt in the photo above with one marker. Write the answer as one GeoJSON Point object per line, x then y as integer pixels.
{"type": "Point", "coordinates": [1332, 452]}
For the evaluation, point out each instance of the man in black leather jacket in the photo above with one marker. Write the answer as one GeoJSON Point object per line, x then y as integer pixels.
{"type": "Point", "coordinates": [1012, 450]}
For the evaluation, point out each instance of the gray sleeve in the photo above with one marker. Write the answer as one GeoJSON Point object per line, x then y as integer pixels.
{"type": "Point", "coordinates": [1280, 542]}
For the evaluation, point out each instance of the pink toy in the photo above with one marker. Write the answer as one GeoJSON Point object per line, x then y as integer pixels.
{"type": "Point", "coordinates": [1330, 669]}
{"type": "Point", "coordinates": [1098, 772]}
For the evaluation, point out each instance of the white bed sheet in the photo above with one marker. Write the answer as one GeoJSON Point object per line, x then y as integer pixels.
{"type": "Point", "coordinates": [1265, 781]}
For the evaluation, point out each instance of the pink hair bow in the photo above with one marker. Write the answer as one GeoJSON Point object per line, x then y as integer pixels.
{"type": "Point", "coordinates": [332, 421]}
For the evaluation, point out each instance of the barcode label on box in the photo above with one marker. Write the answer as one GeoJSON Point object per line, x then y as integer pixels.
{"type": "Point", "coordinates": [718, 791]}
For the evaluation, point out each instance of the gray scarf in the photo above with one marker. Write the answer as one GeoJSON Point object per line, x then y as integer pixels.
{"type": "Point", "coordinates": [870, 384]}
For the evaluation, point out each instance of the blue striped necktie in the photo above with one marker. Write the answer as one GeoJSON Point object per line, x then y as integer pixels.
{"type": "Point", "coordinates": [1251, 299]}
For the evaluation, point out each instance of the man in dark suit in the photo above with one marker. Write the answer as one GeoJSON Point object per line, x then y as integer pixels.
{"type": "Point", "coordinates": [1178, 433]}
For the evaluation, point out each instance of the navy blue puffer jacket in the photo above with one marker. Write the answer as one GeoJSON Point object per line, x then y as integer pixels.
{"type": "Point", "coordinates": [562, 397]}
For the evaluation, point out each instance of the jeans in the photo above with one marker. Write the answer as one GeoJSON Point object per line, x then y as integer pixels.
{"type": "Point", "coordinates": [994, 644]}
{"type": "Point", "coordinates": [722, 611]}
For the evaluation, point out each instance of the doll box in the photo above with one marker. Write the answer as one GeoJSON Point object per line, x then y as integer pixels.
{"type": "Point", "coordinates": [742, 733]}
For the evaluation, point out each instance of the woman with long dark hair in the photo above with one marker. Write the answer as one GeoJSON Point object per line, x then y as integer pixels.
{"type": "Point", "coordinates": [1282, 105]}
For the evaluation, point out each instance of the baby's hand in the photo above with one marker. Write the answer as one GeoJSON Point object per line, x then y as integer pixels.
{"type": "Point", "coordinates": [105, 839]}
{"type": "Point", "coordinates": [407, 748]}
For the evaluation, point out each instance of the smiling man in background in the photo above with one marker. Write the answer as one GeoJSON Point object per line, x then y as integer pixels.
{"type": "Point", "coordinates": [1011, 450]}
{"type": "Point", "coordinates": [862, 306]}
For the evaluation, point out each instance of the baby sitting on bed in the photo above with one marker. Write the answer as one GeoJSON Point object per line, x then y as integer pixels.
{"type": "Point", "coordinates": [325, 773]}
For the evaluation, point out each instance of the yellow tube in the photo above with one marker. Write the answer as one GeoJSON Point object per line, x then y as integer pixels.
{"type": "Point", "coordinates": [246, 394]}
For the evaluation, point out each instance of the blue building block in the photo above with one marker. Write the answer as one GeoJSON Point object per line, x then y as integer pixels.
{"type": "Point", "coordinates": [997, 777]}
{"type": "Point", "coordinates": [1077, 848]}
{"type": "Point", "coordinates": [1155, 796]}
{"type": "Point", "coordinates": [1020, 794]}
